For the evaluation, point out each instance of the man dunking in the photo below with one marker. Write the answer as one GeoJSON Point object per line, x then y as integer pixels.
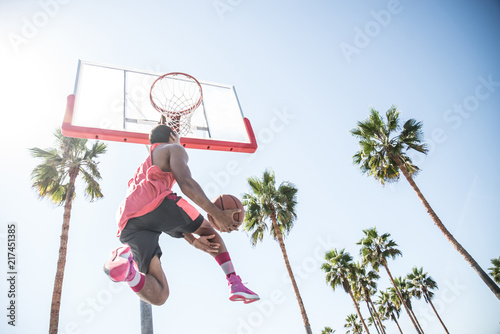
{"type": "Point", "coordinates": [151, 208]}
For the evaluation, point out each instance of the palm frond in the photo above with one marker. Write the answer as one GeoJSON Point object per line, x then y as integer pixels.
{"type": "Point", "coordinates": [379, 145]}
{"type": "Point", "coordinates": [495, 270]}
{"type": "Point", "coordinates": [392, 116]}
{"type": "Point", "coordinates": [51, 177]}
{"type": "Point", "coordinates": [93, 188]}
{"type": "Point", "coordinates": [265, 202]}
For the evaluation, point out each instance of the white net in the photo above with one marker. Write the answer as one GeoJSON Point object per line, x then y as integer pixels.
{"type": "Point", "coordinates": [176, 96]}
{"type": "Point", "coordinates": [180, 124]}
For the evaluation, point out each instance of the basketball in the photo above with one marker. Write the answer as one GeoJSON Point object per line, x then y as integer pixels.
{"type": "Point", "coordinates": [228, 202]}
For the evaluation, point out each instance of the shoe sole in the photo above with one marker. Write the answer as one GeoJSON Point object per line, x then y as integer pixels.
{"type": "Point", "coordinates": [244, 297]}
{"type": "Point", "coordinates": [119, 256]}
{"type": "Point", "coordinates": [248, 301]}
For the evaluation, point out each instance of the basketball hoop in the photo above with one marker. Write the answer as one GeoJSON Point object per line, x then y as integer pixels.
{"type": "Point", "coordinates": [176, 96]}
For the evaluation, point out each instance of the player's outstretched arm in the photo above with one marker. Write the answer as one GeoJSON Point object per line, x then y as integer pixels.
{"type": "Point", "coordinates": [178, 160]}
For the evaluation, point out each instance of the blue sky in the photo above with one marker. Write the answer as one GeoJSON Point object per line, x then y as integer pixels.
{"type": "Point", "coordinates": [303, 92]}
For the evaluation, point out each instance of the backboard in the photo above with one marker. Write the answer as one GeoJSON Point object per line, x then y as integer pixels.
{"type": "Point", "coordinates": [112, 103]}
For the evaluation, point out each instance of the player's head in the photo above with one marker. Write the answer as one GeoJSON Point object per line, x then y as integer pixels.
{"type": "Point", "coordinates": [162, 134]}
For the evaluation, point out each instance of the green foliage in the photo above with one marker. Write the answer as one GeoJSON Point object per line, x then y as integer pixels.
{"type": "Point", "coordinates": [353, 324]}
{"type": "Point", "coordinates": [339, 269]}
{"type": "Point", "coordinates": [265, 202]}
{"type": "Point", "coordinates": [327, 330]}
{"type": "Point", "coordinates": [388, 304]}
{"type": "Point", "coordinates": [420, 284]}
{"type": "Point", "coordinates": [71, 156]}
{"type": "Point", "coordinates": [402, 285]}
{"type": "Point", "coordinates": [379, 145]}
{"type": "Point", "coordinates": [495, 270]}
{"type": "Point", "coordinates": [376, 249]}
{"type": "Point", "coordinates": [365, 281]}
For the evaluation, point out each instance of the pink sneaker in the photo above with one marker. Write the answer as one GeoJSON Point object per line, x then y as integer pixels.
{"type": "Point", "coordinates": [120, 266]}
{"type": "Point", "coordinates": [239, 292]}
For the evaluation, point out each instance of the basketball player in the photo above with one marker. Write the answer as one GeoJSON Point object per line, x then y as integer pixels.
{"type": "Point", "coordinates": [151, 208]}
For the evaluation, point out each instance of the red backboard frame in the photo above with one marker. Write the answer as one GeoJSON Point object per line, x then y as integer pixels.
{"type": "Point", "coordinates": [70, 130]}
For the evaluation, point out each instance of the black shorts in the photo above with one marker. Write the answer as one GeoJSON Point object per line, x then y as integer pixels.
{"type": "Point", "coordinates": [173, 216]}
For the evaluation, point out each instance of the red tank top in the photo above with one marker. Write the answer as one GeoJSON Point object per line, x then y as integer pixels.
{"type": "Point", "coordinates": [146, 190]}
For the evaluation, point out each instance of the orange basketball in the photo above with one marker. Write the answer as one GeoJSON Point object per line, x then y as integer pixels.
{"type": "Point", "coordinates": [228, 202]}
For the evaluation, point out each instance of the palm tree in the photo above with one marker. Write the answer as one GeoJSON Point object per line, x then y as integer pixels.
{"type": "Point", "coordinates": [265, 204]}
{"type": "Point", "coordinates": [367, 285]}
{"type": "Point", "coordinates": [353, 325]}
{"type": "Point", "coordinates": [340, 270]}
{"type": "Point", "coordinates": [387, 308]}
{"type": "Point", "coordinates": [405, 292]}
{"type": "Point", "coordinates": [420, 284]}
{"type": "Point", "coordinates": [328, 330]}
{"type": "Point", "coordinates": [495, 270]}
{"type": "Point", "coordinates": [383, 155]}
{"type": "Point", "coordinates": [54, 179]}
{"type": "Point", "coordinates": [376, 249]}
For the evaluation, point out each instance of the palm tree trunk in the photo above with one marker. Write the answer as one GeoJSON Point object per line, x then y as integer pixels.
{"type": "Point", "coordinates": [371, 315]}
{"type": "Point", "coordinates": [396, 321]}
{"type": "Point", "coordinates": [400, 296]}
{"type": "Point", "coordinates": [61, 262]}
{"type": "Point", "coordinates": [376, 314]}
{"type": "Point", "coordinates": [292, 277]}
{"type": "Point", "coordinates": [414, 316]}
{"type": "Point", "coordinates": [358, 310]}
{"type": "Point", "coordinates": [432, 305]}
{"type": "Point", "coordinates": [484, 276]}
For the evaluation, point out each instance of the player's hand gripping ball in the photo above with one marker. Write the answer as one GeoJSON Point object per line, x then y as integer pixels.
{"type": "Point", "coordinates": [228, 202]}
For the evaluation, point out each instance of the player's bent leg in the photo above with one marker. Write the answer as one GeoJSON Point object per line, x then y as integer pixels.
{"type": "Point", "coordinates": [151, 287]}
{"type": "Point", "coordinates": [155, 290]}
